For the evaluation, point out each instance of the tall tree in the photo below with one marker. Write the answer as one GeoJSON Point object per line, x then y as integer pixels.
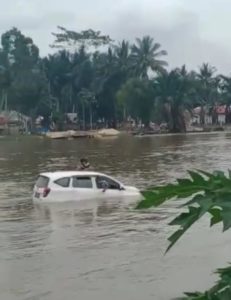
{"type": "Point", "coordinates": [109, 80]}
{"type": "Point", "coordinates": [225, 89]}
{"type": "Point", "coordinates": [28, 83]}
{"type": "Point", "coordinates": [123, 57]}
{"type": "Point", "coordinates": [207, 89]}
{"type": "Point", "coordinates": [5, 80]}
{"type": "Point", "coordinates": [57, 67]}
{"type": "Point", "coordinates": [82, 75]}
{"type": "Point", "coordinates": [21, 52]}
{"type": "Point", "coordinates": [137, 96]}
{"type": "Point", "coordinates": [146, 56]}
{"type": "Point", "coordinates": [174, 91]}
{"type": "Point", "coordinates": [73, 40]}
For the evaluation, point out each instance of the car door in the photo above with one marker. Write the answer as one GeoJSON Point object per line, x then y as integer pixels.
{"type": "Point", "coordinates": [107, 187]}
{"type": "Point", "coordinates": [60, 189]}
{"type": "Point", "coordinates": [83, 187]}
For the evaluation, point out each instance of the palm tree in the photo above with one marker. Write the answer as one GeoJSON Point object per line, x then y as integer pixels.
{"type": "Point", "coordinates": [88, 99]}
{"type": "Point", "coordinates": [174, 97]}
{"type": "Point", "coordinates": [123, 56]}
{"type": "Point", "coordinates": [111, 72]}
{"type": "Point", "coordinates": [207, 89]}
{"type": "Point", "coordinates": [82, 77]}
{"type": "Point", "coordinates": [146, 56]}
{"type": "Point", "coordinates": [56, 68]}
{"type": "Point", "coordinates": [137, 96]}
{"type": "Point", "coordinates": [3, 89]}
{"type": "Point", "coordinates": [225, 87]}
{"type": "Point", "coordinates": [225, 91]}
{"type": "Point", "coordinates": [5, 81]}
{"type": "Point", "coordinates": [105, 68]}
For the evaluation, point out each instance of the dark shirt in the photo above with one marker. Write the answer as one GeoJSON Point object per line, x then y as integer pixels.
{"type": "Point", "coordinates": [83, 168]}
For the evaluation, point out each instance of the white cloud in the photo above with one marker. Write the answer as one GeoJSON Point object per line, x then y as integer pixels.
{"type": "Point", "coordinates": [191, 31]}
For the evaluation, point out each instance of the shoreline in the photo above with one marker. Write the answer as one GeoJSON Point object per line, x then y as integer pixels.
{"type": "Point", "coordinates": [122, 133]}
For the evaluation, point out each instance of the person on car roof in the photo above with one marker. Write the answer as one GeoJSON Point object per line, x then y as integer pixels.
{"type": "Point", "coordinates": [84, 164]}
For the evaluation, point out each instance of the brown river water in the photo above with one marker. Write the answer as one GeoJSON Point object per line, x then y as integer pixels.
{"type": "Point", "coordinates": [105, 250]}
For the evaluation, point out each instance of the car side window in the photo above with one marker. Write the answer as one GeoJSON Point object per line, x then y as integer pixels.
{"type": "Point", "coordinates": [103, 182]}
{"type": "Point", "coordinates": [82, 182]}
{"type": "Point", "coordinates": [63, 182]}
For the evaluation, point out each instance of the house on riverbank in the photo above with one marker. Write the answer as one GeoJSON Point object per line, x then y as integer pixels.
{"type": "Point", "coordinates": [217, 115]}
{"type": "Point", "coordinates": [13, 122]}
{"type": "Point", "coordinates": [199, 113]}
{"type": "Point", "coordinates": [222, 112]}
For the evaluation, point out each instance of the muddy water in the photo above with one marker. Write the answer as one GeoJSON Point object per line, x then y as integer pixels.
{"type": "Point", "coordinates": [63, 251]}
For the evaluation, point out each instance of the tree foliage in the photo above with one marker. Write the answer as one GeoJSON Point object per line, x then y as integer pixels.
{"type": "Point", "coordinates": [23, 79]}
{"type": "Point", "coordinates": [146, 56]}
{"type": "Point", "coordinates": [90, 60]}
{"type": "Point", "coordinates": [175, 94]}
{"type": "Point", "coordinates": [69, 39]}
{"type": "Point", "coordinates": [206, 193]}
{"type": "Point", "coordinates": [137, 97]}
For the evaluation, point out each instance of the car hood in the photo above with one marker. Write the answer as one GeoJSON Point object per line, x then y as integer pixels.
{"type": "Point", "coordinates": [132, 189]}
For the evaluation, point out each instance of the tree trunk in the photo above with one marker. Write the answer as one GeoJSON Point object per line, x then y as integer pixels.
{"type": "Point", "coordinates": [83, 115]}
{"type": "Point", "coordinates": [124, 114]}
{"type": "Point", "coordinates": [202, 115]}
{"type": "Point", "coordinates": [70, 99]}
{"type": "Point", "coordinates": [178, 122]}
{"type": "Point", "coordinates": [4, 100]}
{"type": "Point", "coordinates": [90, 110]}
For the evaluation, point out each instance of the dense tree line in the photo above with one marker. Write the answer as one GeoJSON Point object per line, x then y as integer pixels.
{"type": "Point", "coordinates": [100, 79]}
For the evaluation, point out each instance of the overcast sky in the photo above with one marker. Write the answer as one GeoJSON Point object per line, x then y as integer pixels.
{"type": "Point", "coordinates": [192, 31]}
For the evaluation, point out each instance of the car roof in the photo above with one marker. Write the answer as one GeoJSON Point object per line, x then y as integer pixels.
{"type": "Point", "coordinates": [60, 174]}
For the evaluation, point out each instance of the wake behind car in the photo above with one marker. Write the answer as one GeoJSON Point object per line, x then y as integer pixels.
{"type": "Point", "coordinates": [79, 185]}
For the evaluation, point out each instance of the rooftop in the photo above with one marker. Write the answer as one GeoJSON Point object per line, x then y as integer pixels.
{"type": "Point", "coordinates": [59, 174]}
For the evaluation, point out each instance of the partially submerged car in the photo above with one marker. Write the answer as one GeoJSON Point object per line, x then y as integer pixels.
{"type": "Point", "coordinates": [79, 185]}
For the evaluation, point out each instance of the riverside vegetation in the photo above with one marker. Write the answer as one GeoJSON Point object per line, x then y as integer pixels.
{"type": "Point", "coordinates": [101, 79]}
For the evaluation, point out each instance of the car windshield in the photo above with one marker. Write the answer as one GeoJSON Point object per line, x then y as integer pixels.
{"type": "Point", "coordinates": [42, 182]}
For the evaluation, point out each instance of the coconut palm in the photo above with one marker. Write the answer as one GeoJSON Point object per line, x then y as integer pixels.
{"type": "Point", "coordinates": [225, 87]}
{"type": "Point", "coordinates": [123, 56]}
{"type": "Point", "coordinates": [174, 97]}
{"type": "Point", "coordinates": [207, 89]}
{"type": "Point", "coordinates": [146, 56]}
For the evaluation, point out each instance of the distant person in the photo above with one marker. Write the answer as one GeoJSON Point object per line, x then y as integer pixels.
{"type": "Point", "coordinates": [84, 164]}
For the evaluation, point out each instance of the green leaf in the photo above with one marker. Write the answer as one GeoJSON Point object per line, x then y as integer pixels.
{"type": "Point", "coordinates": [216, 216]}
{"type": "Point", "coordinates": [198, 198]}
{"type": "Point", "coordinates": [174, 238]}
{"type": "Point", "coordinates": [208, 192]}
{"type": "Point", "coordinates": [184, 181]}
{"type": "Point", "coordinates": [221, 291]}
{"type": "Point", "coordinates": [151, 199]}
{"type": "Point", "coordinates": [220, 174]}
{"type": "Point", "coordinates": [196, 177]}
{"type": "Point", "coordinates": [194, 296]}
{"type": "Point", "coordinates": [225, 211]}
{"type": "Point", "coordinates": [225, 214]}
{"type": "Point", "coordinates": [184, 188]}
{"type": "Point", "coordinates": [207, 174]}
{"type": "Point", "coordinates": [161, 194]}
{"type": "Point", "coordinates": [185, 221]}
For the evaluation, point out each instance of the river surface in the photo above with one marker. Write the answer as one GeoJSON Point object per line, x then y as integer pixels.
{"type": "Point", "coordinates": [67, 251]}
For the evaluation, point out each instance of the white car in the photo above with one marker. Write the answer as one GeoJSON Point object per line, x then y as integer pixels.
{"type": "Point", "coordinates": [79, 185]}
